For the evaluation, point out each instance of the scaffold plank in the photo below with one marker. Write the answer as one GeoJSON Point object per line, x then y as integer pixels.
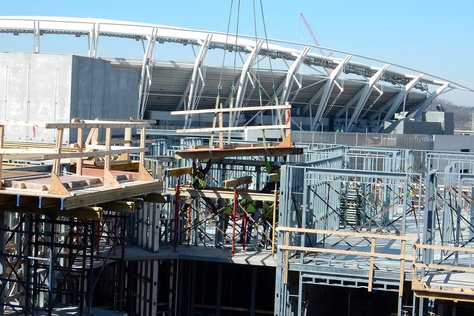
{"type": "Point", "coordinates": [217, 193]}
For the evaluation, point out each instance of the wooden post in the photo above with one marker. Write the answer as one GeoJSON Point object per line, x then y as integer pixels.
{"type": "Point", "coordinates": [234, 215]}
{"type": "Point", "coordinates": [286, 258]}
{"type": "Point", "coordinates": [371, 266]}
{"type": "Point", "coordinates": [176, 214]}
{"type": "Point", "coordinates": [108, 136]}
{"type": "Point", "coordinates": [142, 145]}
{"type": "Point", "coordinates": [275, 197]}
{"type": "Point", "coordinates": [127, 141]}
{"type": "Point", "coordinates": [80, 147]}
{"type": "Point", "coordinates": [402, 267]}
{"type": "Point", "coordinates": [59, 141]}
{"type": "Point", "coordinates": [221, 133]}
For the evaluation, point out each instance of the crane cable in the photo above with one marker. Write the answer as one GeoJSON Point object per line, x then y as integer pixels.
{"type": "Point", "coordinates": [219, 85]}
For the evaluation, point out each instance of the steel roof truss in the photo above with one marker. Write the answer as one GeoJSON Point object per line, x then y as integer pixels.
{"type": "Point", "coordinates": [394, 103]}
{"type": "Point", "coordinates": [365, 96]}
{"type": "Point", "coordinates": [243, 79]}
{"type": "Point", "coordinates": [416, 113]}
{"type": "Point", "coordinates": [145, 76]}
{"type": "Point", "coordinates": [189, 97]}
{"type": "Point", "coordinates": [329, 86]}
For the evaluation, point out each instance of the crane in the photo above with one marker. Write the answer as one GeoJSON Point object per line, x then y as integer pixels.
{"type": "Point", "coordinates": [315, 40]}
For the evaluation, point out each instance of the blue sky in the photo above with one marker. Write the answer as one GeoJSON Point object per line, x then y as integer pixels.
{"type": "Point", "coordinates": [433, 36]}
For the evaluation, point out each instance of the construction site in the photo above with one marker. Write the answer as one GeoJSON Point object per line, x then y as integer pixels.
{"type": "Point", "coordinates": [291, 182]}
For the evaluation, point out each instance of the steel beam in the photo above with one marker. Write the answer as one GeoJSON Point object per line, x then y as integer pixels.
{"type": "Point", "coordinates": [189, 98]}
{"type": "Point", "coordinates": [146, 73]}
{"type": "Point", "coordinates": [285, 87]}
{"type": "Point", "coordinates": [37, 34]}
{"type": "Point", "coordinates": [328, 87]}
{"type": "Point", "coordinates": [94, 40]}
{"type": "Point", "coordinates": [243, 79]}
{"type": "Point", "coordinates": [394, 103]}
{"type": "Point", "coordinates": [416, 113]}
{"type": "Point", "coordinates": [365, 96]}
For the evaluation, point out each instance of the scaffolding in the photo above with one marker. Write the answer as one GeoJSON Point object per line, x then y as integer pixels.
{"type": "Point", "coordinates": [60, 229]}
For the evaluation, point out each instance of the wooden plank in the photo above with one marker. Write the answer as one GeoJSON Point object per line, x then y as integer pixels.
{"type": "Point", "coordinates": [155, 198]}
{"type": "Point", "coordinates": [371, 264]}
{"type": "Point", "coordinates": [402, 268]}
{"type": "Point", "coordinates": [47, 153]}
{"type": "Point", "coordinates": [443, 267]}
{"type": "Point", "coordinates": [340, 252]}
{"type": "Point", "coordinates": [175, 172]}
{"type": "Point", "coordinates": [103, 196]}
{"type": "Point", "coordinates": [222, 193]}
{"type": "Point", "coordinates": [236, 182]}
{"type": "Point", "coordinates": [119, 206]}
{"type": "Point", "coordinates": [231, 110]}
{"type": "Point", "coordinates": [344, 233]}
{"type": "Point", "coordinates": [446, 248]}
{"type": "Point", "coordinates": [82, 124]}
{"type": "Point", "coordinates": [286, 259]}
{"type": "Point", "coordinates": [231, 128]}
{"type": "Point", "coordinates": [216, 153]}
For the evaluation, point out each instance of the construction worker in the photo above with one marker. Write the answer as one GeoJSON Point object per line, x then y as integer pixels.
{"type": "Point", "coordinates": [199, 175]}
{"type": "Point", "coordinates": [249, 219]}
{"type": "Point", "coordinates": [228, 210]}
{"type": "Point", "coordinates": [271, 168]}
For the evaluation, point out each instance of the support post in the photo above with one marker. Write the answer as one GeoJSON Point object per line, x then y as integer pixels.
{"type": "Point", "coordinates": [234, 215]}
{"type": "Point", "coordinates": [275, 197]}
{"type": "Point", "coordinates": [176, 214]}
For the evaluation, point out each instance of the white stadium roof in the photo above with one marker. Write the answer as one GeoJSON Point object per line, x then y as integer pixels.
{"type": "Point", "coordinates": [339, 86]}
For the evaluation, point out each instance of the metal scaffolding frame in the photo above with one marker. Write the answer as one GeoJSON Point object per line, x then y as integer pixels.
{"type": "Point", "coordinates": [363, 218]}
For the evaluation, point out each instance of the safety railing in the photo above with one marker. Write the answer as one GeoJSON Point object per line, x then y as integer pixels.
{"type": "Point", "coordinates": [370, 253]}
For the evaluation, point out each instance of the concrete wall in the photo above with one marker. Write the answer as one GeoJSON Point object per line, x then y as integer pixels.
{"type": "Point", "coordinates": [56, 88]}
{"type": "Point", "coordinates": [35, 88]}
{"type": "Point", "coordinates": [453, 142]}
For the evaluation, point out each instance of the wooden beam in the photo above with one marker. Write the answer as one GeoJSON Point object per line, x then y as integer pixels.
{"type": "Point", "coordinates": [176, 172]}
{"type": "Point", "coordinates": [216, 153]}
{"type": "Point", "coordinates": [231, 128]}
{"type": "Point", "coordinates": [236, 182]}
{"type": "Point", "coordinates": [230, 110]}
{"type": "Point", "coordinates": [46, 153]}
{"type": "Point", "coordinates": [119, 206]}
{"type": "Point", "coordinates": [155, 198]}
{"type": "Point", "coordinates": [216, 193]}
{"type": "Point", "coordinates": [108, 195]}
{"type": "Point", "coordinates": [82, 124]}
{"type": "Point", "coordinates": [345, 234]}
{"type": "Point", "coordinates": [91, 212]}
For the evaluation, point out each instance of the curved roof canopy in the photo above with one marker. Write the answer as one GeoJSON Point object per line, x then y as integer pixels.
{"type": "Point", "coordinates": [340, 86]}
